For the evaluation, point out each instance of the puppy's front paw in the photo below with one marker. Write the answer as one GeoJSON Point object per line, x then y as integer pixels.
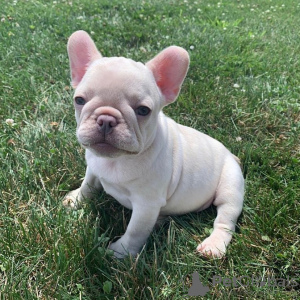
{"type": "Point", "coordinates": [121, 249]}
{"type": "Point", "coordinates": [212, 248]}
{"type": "Point", "coordinates": [72, 200]}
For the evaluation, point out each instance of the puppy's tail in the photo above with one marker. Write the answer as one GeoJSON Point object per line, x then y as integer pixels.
{"type": "Point", "coordinates": [237, 160]}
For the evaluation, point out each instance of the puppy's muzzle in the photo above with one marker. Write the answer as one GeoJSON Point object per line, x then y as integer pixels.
{"type": "Point", "coordinates": [106, 123]}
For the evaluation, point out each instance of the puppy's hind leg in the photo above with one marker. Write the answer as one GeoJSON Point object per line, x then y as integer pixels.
{"type": "Point", "coordinates": [229, 202]}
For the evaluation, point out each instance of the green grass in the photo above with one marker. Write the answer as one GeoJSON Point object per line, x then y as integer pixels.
{"type": "Point", "coordinates": [243, 88]}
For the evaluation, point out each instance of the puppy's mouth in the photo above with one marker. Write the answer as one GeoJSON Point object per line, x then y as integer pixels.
{"type": "Point", "coordinates": [100, 146]}
{"type": "Point", "coordinates": [108, 142]}
{"type": "Point", "coordinates": [105, 149]}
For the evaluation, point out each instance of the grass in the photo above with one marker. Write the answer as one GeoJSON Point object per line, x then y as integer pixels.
{"type": "Point", "coordinates": [242, 88]}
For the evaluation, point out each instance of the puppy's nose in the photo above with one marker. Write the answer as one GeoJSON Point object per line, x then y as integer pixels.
{"type": "Point", "coordinates": [106, 123]}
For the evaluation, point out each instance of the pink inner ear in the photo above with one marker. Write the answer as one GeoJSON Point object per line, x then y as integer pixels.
{"type": "Point", "coordinates": [168, 81]}
{"type": "Point", "coordinates": [169, 69]}
{"type": "Point", "coordinates": [82, 52]}
{"type": "Point", "coordinates": [78, 63]}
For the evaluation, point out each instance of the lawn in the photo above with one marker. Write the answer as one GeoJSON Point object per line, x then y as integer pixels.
{"type": "Point", "coordinates": [242, 88]}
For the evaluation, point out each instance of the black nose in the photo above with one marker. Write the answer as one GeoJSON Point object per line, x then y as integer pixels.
{"type": "Point", "coordinates": [106, 123]}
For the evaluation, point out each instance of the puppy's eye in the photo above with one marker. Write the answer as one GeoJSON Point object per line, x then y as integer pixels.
{"type": "Point", "coordinates": [143, 110]}
{"type": "Point", "coordinates": [79, 100]}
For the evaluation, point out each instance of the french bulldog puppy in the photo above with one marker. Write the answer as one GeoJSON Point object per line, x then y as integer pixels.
{"type": "Point", "coordinates": [145, 160]}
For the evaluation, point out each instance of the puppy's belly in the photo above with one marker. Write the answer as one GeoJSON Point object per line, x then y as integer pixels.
{"type": "Point", "coordinates": [120, 193]}
{"type": "Point", "coordinates": [189, 202]}
{"type": "Point", "coordinates": [181, 202]}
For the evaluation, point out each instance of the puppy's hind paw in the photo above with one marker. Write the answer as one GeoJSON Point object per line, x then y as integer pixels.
{"type": "Point", "coordinates": [211, 249]}
{"type": "Point", "coordinates": [122, 249]}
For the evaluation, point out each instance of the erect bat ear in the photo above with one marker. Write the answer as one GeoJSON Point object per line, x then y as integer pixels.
{"type": "Point", "coordinates": [82, 52]}
{"type": "Point", "coordinates": [169, 68]}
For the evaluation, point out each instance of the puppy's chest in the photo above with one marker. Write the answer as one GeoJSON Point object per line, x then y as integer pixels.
{"type": "Point", "coordinates": [114, 178]}
{"type": "Point", "coordinates": [119, 192]}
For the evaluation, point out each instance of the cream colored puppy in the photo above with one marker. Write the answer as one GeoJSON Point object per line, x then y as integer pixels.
{"type": "Point", "coordinates": [142, 158]}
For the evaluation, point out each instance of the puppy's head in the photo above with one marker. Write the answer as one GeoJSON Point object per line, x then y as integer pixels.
{"type": "Point", "coordinates": [117, 100]}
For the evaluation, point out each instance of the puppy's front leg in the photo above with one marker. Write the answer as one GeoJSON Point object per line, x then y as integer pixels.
{"type": "Point", "coordinates": [87, 190]}
{"type": "Point", "coordinates": [139, 228]}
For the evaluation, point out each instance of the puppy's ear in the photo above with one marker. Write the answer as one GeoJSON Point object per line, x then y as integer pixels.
{"type": "Point", "coordinates": [169, 68]}
{"type": "Point", "coordinates": [82, 52]}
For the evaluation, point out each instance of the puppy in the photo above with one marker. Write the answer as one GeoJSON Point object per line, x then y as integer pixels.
{"type": "Point", "coordinates": [145, 160]}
